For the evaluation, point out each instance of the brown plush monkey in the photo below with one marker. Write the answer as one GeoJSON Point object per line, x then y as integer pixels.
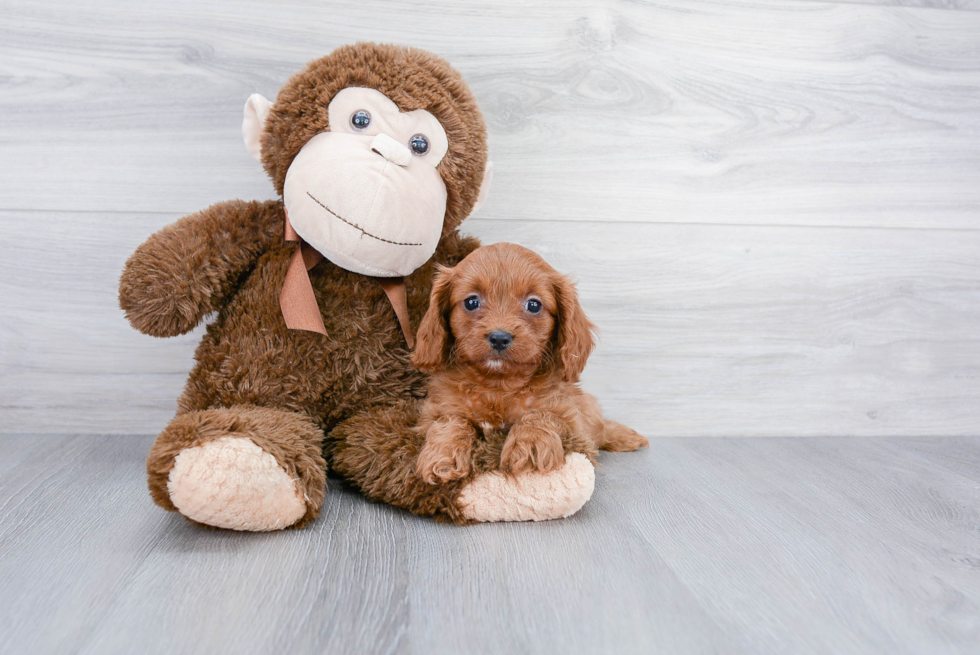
{"type": "Point", "coordinates": [379, 152]}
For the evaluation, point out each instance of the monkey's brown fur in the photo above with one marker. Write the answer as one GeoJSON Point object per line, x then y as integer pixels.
{"type": "Point", "coordinates": [285, 390]}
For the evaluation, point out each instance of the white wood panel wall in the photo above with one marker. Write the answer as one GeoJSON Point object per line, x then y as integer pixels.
{"type": "Point", "coordinates": [773, 208]}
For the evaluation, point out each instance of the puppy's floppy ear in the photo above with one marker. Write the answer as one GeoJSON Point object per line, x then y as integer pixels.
{"type": "Point", "coordinates": [433, 340]}
{"type": "Point", "coordinates": [574, 333]}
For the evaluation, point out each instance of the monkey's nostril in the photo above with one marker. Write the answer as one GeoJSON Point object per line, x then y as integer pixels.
{"type": "Point", "coordinates": [500, 340]}
{"type": "Point", "coordinates": [391, 150]}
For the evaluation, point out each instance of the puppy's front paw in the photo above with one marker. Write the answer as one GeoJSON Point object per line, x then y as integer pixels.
{"type": "Point", "coordinates": [443, 461]}
{"type": "Point", "coordinates": [528, 448]}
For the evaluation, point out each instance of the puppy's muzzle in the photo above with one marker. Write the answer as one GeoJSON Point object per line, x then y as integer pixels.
{"type": "Point", "coordinates": [500, 340]}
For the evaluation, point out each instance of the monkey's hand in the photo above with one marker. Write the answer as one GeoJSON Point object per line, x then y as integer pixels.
{"type": "Point", "coordinates": [192, 267]}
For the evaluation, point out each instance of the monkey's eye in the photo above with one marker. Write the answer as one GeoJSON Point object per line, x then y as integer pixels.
{"type": "Point", "coordinates": [533, 305]}
{"type": "Point", "coordinates": [360, 119]}
{"type": "Point", "coordinates": [419, 144]}
{"type": "Point", "coordinates": [471, 303]}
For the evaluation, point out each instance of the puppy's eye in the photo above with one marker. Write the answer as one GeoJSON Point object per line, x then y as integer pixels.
{"type": "Point", "coordinates": [419, 144]}
{"type": "Point", "coordinates": [360, 119]}
{"type": "Point", "coordinates": [533, 306]}
{"type": "Point", "coordinates": [471, 303]}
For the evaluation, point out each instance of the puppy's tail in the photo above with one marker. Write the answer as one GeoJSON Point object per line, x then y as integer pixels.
{"type": "Point", "coordinates": [619, 438]}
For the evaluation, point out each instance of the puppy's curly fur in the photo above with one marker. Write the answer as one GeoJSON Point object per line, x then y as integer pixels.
{"type": "Point", "coordinates": [506, 340]}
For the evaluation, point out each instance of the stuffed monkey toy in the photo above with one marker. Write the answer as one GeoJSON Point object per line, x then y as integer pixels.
{"type": "Point", "coordinates": [378, 153]}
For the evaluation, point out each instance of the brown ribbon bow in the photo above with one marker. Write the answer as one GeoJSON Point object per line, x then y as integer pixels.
{"type": "Point", "coordinates": [298, 302]}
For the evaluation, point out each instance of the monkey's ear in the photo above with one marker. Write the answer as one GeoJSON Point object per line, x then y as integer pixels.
{"type": "Point", "coordinates": [256, 111]}
{"type": "Point", "coordinates": [432, 343]}
{"type": "Point", "coordinates": [484, 187]}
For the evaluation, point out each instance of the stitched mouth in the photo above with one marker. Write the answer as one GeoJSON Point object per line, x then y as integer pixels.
{"type": "Point", "coordinates": [358, 227]}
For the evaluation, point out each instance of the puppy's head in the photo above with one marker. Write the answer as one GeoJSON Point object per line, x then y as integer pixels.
{"type": "Point", "coordinates": [503, 311]}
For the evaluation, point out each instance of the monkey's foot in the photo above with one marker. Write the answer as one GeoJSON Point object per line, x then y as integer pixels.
{"type": "Point", "coordinates": [530, 496]}
{"type": "Point", "coordinates": [240, 468]}
{"type": "Point", "coordinates": [232, 483]}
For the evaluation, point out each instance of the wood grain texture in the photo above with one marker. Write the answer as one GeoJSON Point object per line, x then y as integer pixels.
{"type": "Point", "coordinates": [771, 206]}
{"type": "Point", "coordinates": [814, 113]}
{"type": "Point", "coordinates": [705, 330]}
{"type": "Point", "coordinates": [693, 546]}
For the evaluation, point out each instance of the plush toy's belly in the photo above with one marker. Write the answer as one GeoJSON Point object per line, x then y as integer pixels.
{"type": "Point", "coordinates": [248, 356]}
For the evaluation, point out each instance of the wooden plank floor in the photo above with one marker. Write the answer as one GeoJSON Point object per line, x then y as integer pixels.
{"type": "Point", "coordinates": [693, 546]}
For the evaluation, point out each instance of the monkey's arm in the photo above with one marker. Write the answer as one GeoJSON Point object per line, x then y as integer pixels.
{"type": "Point", "coordinates": [191, 267]}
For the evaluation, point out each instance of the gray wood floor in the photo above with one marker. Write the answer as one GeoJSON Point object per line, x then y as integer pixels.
{"type": "Point", "coordinates": [694, 546]}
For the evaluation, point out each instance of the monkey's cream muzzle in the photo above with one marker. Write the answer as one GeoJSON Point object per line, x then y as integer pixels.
{"type": "Point", "coordinates": [366, 203]}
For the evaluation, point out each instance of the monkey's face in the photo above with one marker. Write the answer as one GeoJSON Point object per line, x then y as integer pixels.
{"type": "Point", "coordinates": [367, 194]}
{"type": "Point", "coordinates": [379, 151]}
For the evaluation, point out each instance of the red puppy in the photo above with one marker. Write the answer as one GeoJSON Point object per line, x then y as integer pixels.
{"type": "Point", "coordinates": [506, 341]}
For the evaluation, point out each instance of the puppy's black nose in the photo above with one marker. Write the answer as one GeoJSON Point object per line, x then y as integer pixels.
{"type": "Point", "coordinates": [500, 340]}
